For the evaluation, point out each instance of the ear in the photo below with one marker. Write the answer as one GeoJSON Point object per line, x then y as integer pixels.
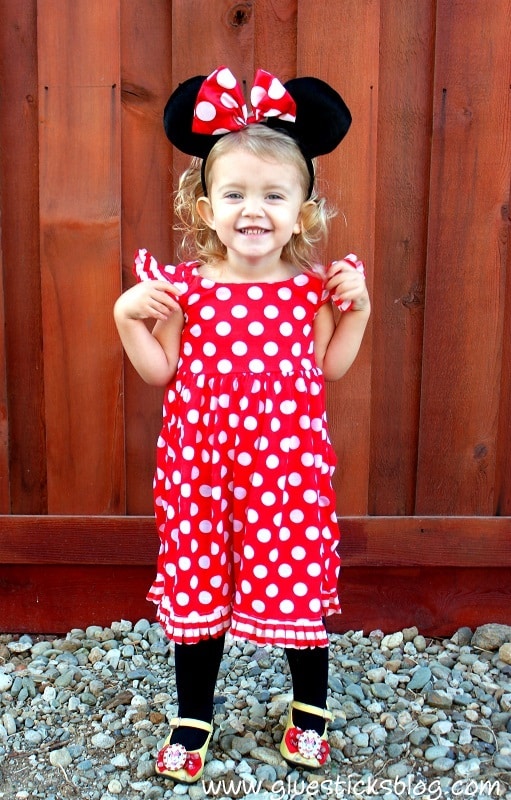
{"type": "Point", "coordinates": [306, 208]}
{"type": "Point", "coordinates": [205, 212]}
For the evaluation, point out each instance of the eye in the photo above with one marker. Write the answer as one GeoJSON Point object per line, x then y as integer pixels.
{"type": "Point", "coordinates": [233, 195]}
{"type": "Point", "coordinates": [275, 196]}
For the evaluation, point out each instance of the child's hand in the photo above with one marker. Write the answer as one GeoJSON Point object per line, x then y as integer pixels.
{"type": "Point", "coordinates": [148, 300]}
{"type": "Point", "coordinates": [345, 280]}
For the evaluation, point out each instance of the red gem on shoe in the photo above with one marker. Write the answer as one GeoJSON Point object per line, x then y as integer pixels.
{"type": "Point", "coordinates": [308, 743]}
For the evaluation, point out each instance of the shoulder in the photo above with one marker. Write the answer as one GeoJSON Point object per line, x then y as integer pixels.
{"type": "Point", "coordinates": [147, 268]}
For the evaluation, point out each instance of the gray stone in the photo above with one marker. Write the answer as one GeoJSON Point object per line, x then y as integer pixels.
{"type": "Point", "coordinates": [60, 758]}
{"type": "Point", "coordinates": [439, 699]}
{"type": "Point", "coordinates": [443, 764]}
{"type": "Point", "coordinates": [420, 678]}
{"type": "Point", "coordinates": [491, 636]}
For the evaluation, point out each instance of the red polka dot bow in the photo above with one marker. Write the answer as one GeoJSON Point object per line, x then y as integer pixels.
{"type": "Point", "coordinates": [221, 108]}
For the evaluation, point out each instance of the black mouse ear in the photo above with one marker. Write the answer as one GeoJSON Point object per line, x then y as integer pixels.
{"type": "Point", "coordinates": [178, 120]}
{"type": "Point", "coordinates": [322, 117]}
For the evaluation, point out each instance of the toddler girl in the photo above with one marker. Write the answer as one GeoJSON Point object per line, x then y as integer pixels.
{"type": "Point", "coordinates": [243, 340]}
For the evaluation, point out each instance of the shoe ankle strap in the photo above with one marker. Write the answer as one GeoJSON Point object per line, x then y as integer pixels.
{"type": "Point", "coordinates": [188, 722]}
{"type": "Point", "coordinates": [318, 712]}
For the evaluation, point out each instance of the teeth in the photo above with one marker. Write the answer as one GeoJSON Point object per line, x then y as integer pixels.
{"type": "Point", "coordinates": [252, 231]}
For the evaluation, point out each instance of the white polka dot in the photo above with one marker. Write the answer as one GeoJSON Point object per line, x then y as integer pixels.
{"type": "Point", "coordinates": [204, 562]}
{"type": "Point", "coordinates": [223, 293]}
{"type": "Point", "coordinates": [224, 366]}
{"type": "Point", "coordinates": [188, 453]}
{"type": "Point", "coordinates": [205, 598]}
{"type": "Point", "coordinates": [286, 329]}
{"type": "Point", "coordinates": [240, 493]}
{"type": "Point", "coordinates": [255, 328]}
{"type": "Point", "coordinates": [252, 516]}
{"type": "Point", "coordinates": [275, 424]}
{"type": "Point", "coordinates": [207, 312]}
{"type": "Point", "coordinates": [298, 553]}
{"type": "Point", "coordinates": [286, 366]}
{"type": "Point", "coordinates": [182, 599]}
{"type": "Point", "coordinates": [272, 590]}
{"type": "Point", "coordinates": [245, 459]}
{"type": "Point", "coordinates": [272, 462]}
{"type": "Point", "coordinates": [294, 479]}
{"type": "Point", "coordinates": [260, 571]}
{"type": "Point", "coordinates": [300, 589]}
{"type": "Point", "coordinates": [258, 606]}
{"type": "Point", "coordinates": [246, 587]}
{"type": "Point", "coordinates": [205, 111]}
{"type": "Point", "coordinates": [271, 348]}
{"type": "Point", "coordinates": [216, 581]}
{"type": "Point", "coordinates": [184, 563]}
{"type": "Point", "coordinates": [315, 606]}
{"type": "Point", "coordinates": [239, 348]}
{"type": "Point", "coordinates": [256, 479]}
{"type": "Point", "coordinates": [263, 535]}
{"type": "Point", "coordinates": [310, 496]}
{"type": "Point", "coordinates": [239, 311]}
{"type": "Point", "coordinates": [225, 78]}
{"type": "Point", "coordinates": [255, 292]}
{"type": "Point", "coordinates": [205, 526]}
{"type": "Point", "coordinates": [193, 416]}
{"type": "Point", "coordinates": [297, 515]}
{"type": "Point", "coordinates": [248, 551]}
{"type": "Point", "coordinates": [285, 293]}
{"type": "Point", "coordinates": [268, 499]}
{"type": "Point", "coordinates": [271, 312]}
{"type": "Point", "coordinates": [287, 607]}
{"type": "Point", "coordinates": [256, 365]}
{"type": "Point", "coordinates": [209, 349]}
{"type": "Point", "coordinates": [223, 328]}
{"type": "Point", "coordinates": [299, 312]}
{"type": "Point", "coordinates": [284, 534]}
{"type": "Point", "coordinates": [196, 366]}
{"type": "Point", "coordinates": [234, 420]}
{"type": "Point", "coordinates": [288, 406]}
{"type": "Point", "coordinates": [250, 423]}
{"type": "Point", "coordinates": [274, 555]}
{"type": "Point", "coordinates": [314, 570]}
{"type": "Point", "coordinates": [285, 570]}
{"type": "Point", "coordinates": [307, 459]}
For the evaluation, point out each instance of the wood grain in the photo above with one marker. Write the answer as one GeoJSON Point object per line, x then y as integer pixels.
{"type": "Point", "coordinates": [470, 158]}
{"type": "Point", "coordinates": [402, 196]}
{"type": "Point", "coordinates": [80, 241]}
{"type": "Point", "coordinates": [19, 178]}
{"type": "Point", "coordinates": [347, 177]}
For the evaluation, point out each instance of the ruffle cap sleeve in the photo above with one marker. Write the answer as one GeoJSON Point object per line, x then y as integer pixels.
{"type": "Point", "coordinates": [147, 268]}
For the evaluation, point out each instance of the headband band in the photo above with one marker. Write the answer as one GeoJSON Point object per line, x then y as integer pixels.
{"type": "Point", "coordinates": [204, 108]}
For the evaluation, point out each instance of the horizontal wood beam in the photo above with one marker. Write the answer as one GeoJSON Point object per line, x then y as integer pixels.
{"type": "Point", "coordinates": [366, 541]}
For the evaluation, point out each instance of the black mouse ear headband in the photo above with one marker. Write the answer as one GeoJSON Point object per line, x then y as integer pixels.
{"type": "Point", "coordinates": [203, 109]}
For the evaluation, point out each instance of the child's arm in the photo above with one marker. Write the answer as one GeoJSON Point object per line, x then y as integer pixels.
{"type": "Point", "coordinates": [154, 354]}
{"type": "Point", "coordinates": [336, 346]}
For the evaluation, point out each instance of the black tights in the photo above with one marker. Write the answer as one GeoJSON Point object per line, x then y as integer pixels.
{"type": "Point", "coordinates": [197, 667]}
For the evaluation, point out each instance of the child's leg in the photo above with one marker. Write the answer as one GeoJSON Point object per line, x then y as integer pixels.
{"type": "Point", "coordinates": [309, 671]}
{"type": "Point", "coordinates": [197, 668]}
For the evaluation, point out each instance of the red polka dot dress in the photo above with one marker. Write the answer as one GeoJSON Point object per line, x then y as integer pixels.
{"type": "Point", "coordinates": [244, 502]}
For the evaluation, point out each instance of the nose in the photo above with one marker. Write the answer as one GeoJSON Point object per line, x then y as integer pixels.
{"type": "Point", "coordinates": [252, 207]}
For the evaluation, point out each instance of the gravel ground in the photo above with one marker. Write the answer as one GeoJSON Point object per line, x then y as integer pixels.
{"type": "Point", "coordinates": [82, 717]}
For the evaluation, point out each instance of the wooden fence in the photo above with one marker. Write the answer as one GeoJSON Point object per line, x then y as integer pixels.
{"type": "Point", "coordinates": [421, 424]}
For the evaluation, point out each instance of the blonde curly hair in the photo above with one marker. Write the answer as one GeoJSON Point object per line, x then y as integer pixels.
{"type": "Point", "coordinates": [202, 243]}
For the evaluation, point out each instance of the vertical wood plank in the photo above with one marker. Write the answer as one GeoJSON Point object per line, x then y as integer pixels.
{"type": "Point", "coordinates": [146, 68]}
{"type": "Point", "coordinates": [275, 34]}
{"type": "Point", "coordinates": [5, 498]}
{"type": "Point", "coordinates": [402, 189]}
{"type": "Point", "coordinates": [78, 45]}
{"type": "Point", "coordinates": [215, 33]}
{"type": "Point", "coordinates": [350, 63]}
{"type": "Point", "coordinates": [19, 177]}
{"type": "Point", "coordinates": [503, 477]}
{"type": "Point", "coordinates": [471, 157]}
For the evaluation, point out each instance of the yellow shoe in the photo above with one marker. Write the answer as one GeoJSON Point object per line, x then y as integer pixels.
{"type": "Point", "coordinates": [174, 761]}
{"type": "Point", "coordinates": [305, 748]}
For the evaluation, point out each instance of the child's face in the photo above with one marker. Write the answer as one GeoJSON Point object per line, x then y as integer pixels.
{"type": "Point", "coordinates": [254, 205]}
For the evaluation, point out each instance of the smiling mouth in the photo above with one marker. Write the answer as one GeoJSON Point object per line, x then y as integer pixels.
{"type": "Point", "coordinates": [252, 231]}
